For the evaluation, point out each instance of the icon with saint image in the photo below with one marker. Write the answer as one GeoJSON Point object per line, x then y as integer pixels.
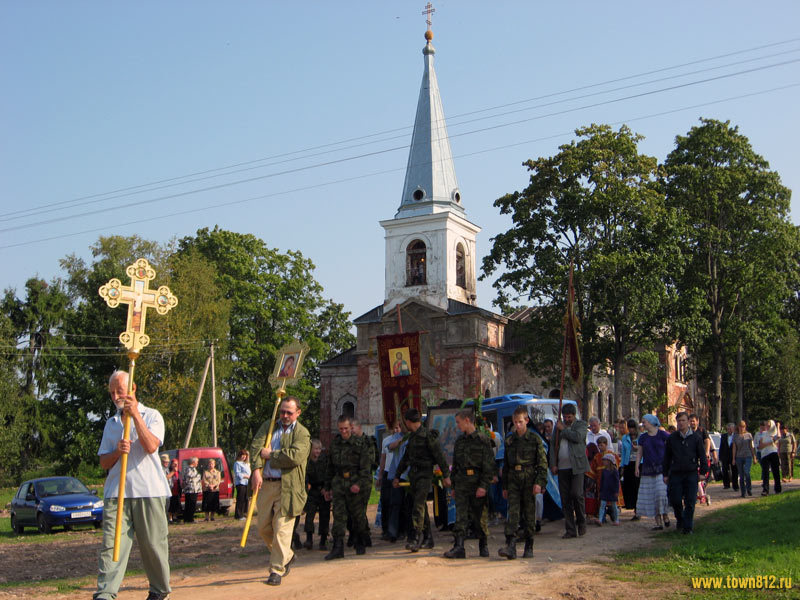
{"type": "Point", "coordinates": [400, 361]}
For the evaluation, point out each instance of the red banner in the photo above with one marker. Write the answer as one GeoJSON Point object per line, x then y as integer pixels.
{"type": "Point", "coordinates": [398, 359]}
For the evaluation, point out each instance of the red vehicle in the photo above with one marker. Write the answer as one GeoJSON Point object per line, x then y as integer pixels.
{"type": "Point", "coordinates": [226, 499]}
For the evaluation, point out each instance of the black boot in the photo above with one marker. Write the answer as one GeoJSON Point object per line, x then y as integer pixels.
{"type": "Point", "coordinates": [337, 551]}
{"type": "Point", "coordinates": [350, 539]}
{"type": "Point", "coordinates": [309, 541]}
{"type": "Point", "coordinates": [323, 542]}
{"type": "Point", "coordinates": [457, 551]}
{"type": "Point", "coordinates": [415, 542]}
{"type": "Point", "coordinates": [296, 543]}
{"type": "Point", "coordinates": [368, 540]}
{"type": "Point", "coordinates": [427, 540]}
{"type": "Point", "coordinates": [528, 552]}
{"type": "Point", "coordinates": [483, 547]}
{"type": "Point", "coordinates": [510, 551]}
{"type": "Point", "coordinates": [359, 543]}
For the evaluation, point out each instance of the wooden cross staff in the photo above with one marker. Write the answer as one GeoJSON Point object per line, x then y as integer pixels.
{"type": "Point", "coordinates": [139, 297]}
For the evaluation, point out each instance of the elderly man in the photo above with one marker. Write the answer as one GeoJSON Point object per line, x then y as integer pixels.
{"type": "Point", "coordinates": [595, 432]}
{"type": "Point", "coordinates": [279, 467]}
{"type": "Point", "coordinates": [569, 462]}
{"type": "Point", "coordinates": [145, 490]}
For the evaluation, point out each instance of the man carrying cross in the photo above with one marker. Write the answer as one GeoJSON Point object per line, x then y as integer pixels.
{"type": "Point", "coordinates": [145, 491]}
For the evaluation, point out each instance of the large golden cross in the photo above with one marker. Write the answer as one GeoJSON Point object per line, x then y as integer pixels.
{"type": "Point", "coordinates": [139, 297]}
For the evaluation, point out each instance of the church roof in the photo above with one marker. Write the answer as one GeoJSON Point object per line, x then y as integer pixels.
{"type": "Point", "coordinates": [348, 357]}
{"type": "Point", "coordinates": [454, 307]}
{"type": "Point", "coordinates": [431, 185]}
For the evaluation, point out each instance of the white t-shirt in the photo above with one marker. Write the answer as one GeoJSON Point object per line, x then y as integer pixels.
{"type": "Point", "coordinates": [591, 438]}
{"type": "Point", "coordinates": [144, 477]}
{"type": "Point", "coordinates": [766, 450]}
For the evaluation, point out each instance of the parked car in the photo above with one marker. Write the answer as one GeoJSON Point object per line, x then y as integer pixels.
{"type": "Point", "coordinates": [183, 455]}
{"type": "Point", "coordinates": [50, 502]}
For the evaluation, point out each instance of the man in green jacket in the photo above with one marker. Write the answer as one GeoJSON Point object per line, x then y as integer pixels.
{"type": "Point", "coordinates": [279, 467]}
{"type": "Point", "coordinates": [568, 461]}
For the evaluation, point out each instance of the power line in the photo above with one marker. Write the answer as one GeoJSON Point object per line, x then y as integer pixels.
{"type": "Point", "coordinates": [138, 188]}
{"type": "Point", "coordinates": [393, 149]}
{"type": "Point", "coordinates": [386, 171]}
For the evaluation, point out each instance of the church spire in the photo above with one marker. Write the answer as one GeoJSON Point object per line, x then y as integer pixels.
{"type": "Point", "coordinates": [430, 185]}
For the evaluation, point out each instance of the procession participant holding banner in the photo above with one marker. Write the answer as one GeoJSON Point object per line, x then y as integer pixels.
{"type": "Point", "coordinates": [145, 491]}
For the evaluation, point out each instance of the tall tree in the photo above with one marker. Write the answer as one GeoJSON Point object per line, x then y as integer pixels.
{"type": "Point", "coordinates": [273, 298]}
{"type": "Point", "coordinates": [595, 202]}
{"type": "Point", "coordinates": [738, 239]}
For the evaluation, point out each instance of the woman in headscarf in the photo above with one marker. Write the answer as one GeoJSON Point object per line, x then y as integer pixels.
{"type": "Point", "coordinates": [652, 498]}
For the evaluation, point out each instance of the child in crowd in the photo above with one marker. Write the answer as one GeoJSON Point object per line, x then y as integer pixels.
{"type": "Point", "coordinates": [609, 489]}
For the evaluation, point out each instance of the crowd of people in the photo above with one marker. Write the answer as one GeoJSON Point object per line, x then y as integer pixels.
{"type": "Point", "coordinates": [579, 470]}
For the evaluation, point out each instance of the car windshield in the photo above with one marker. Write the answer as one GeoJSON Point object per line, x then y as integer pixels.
{"type": "Point", "coordinates": [60, 487]}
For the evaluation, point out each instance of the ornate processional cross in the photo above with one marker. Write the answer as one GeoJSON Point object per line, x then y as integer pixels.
{"type": "Point", "coordinates": [139, 297]}
{"type": "Point", "coordinates": [429, 10]}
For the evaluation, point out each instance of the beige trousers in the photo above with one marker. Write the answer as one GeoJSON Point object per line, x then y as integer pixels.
{"type": "Point", "coordinates": [275, 529]}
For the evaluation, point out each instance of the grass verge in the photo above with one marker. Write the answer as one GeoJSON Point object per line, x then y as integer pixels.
{"type": "Point", "coordinates": [755, 539]}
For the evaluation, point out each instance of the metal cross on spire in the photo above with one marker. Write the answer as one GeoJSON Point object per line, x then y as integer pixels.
{"type": "Point", "coordinates": [429, 10]}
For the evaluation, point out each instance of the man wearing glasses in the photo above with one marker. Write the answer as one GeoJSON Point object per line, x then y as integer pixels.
{"type": "Point", "coordinates": [279, 471]}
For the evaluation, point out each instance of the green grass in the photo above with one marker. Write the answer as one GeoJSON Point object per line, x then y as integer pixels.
{"type": "Point", "coordinates": [750, 539]}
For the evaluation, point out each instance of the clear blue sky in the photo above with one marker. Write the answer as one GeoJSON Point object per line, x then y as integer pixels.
{"type": "Point", "coordinates": [101, 96]}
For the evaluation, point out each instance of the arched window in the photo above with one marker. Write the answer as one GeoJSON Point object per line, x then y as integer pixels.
{"type": "Point", "coordinates": [415, 263]}
{"type": "Point", "coordinates": [554, 393]}
{"type": "Point", "coordinates": [348, 409]}
{"type": "Point", "coordinates": [461, 267]}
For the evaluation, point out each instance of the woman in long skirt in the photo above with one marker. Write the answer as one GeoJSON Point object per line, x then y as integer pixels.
{"type": "Point", "coordinates": [652, 497]}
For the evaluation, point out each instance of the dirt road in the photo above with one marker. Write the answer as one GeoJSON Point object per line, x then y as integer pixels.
{"type": "Point", "coordinates": [571, 569]}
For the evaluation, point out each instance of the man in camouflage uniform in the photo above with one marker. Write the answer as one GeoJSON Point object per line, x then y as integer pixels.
{"type": "Point", "coordinates": [524, 476]}
{"type": "Point", "coordinates": [473, 470]}
{"type": "Point", "coordinates": [369, 448]}
{"type": "Point", "coordinates": [347, 474]}
{"type": "Point", "coordinates": [422, 453]}
{"type": "Point", "coordinates": [315, 480]}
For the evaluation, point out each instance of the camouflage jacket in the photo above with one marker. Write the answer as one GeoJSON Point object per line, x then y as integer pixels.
{"type": "Point", "coordinates": [422, 452]}
{"type": "Point", "coordinates": [473, 461]}
{"type": "Point", "coordinates": [524, 452]}
{"type": "Point", "coordinates": [348, 459]}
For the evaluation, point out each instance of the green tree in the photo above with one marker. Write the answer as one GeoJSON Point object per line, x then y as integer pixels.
{"type": "Point", "coordinates": [595, 202]}
{"type": "Point", "coordinates": [273, 298]}
{"type": "Point", "coordinates": [739, 242]}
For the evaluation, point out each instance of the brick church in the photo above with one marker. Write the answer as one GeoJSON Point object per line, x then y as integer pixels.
{"type": "Point", "coordinates": [431, 287]}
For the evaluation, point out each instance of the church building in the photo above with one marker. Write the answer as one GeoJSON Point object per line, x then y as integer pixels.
{"type": "Point", "coordinates": [430, 287]}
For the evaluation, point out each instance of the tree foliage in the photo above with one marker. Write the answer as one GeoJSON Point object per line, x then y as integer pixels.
{"type": "Point", "coordinates": [737, 238]}
{"type": "Point", "coordinates": [596, 203]}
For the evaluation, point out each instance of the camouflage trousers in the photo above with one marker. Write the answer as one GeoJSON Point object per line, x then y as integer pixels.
{"type": "Point", "coordinates": [347, 504]}
{"type": "Point", "coordinates": [521, 502]}
{"type": "Point", "coordinates": [420, 486]}
{"type": "Point", "coordinates": [316, 503]}
{"type": "Point", "coordinates": [471, 510]}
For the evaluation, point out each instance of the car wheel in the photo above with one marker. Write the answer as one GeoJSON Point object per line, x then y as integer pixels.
{"type": "Point", "coordinates": [44, 526]}
{"type": "Point", "coordinates": [18, 529]}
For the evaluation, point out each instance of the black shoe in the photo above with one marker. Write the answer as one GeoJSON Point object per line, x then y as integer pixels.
{"type": "Point", "coordinates": [384, 537]}
{"type": "Point", "coordinates": [582, 529]}
{"type": "Point", "coordinates": [528, 552]}
{"type": "Point", "coordinates": [568, 535]}
{"type": "Point", "coordinates": [457, 551]}
{"type": "Point", "coordinates": [309, 544]}
{"type": "Point", "coordinates": [350, 540]}
{"type": "Point", "coordinates": [288, 564]}
{"type": "Point", "coordinates": [636, 518]}
{"type": "Point", "coordinates": [157, 596]}
{"type": "Point", "coordinates": [666, 523]}
{"type": "Point", "coordinates": [483, 547]}
{"type": "Point", "coordinates": [296, 543]}
{"type": "Point", "coordinates": [749, 493]}
{"type": "Point", "coordinates": [538, 526]}
{"type": "Point", "coordinates": [323, 542]}
{"type": "Point", "coordinates": [367, 540]}
{"type": "Point", "coordinates": [274, 579]}
{"type": "Point", "coordinates": [510, 550]}
{"type": "Point", "coordinates": [337, 551]}
{"type": "Point", "coordinates": [415, 542]}
{"type": "Point", "coordinates": [687, 532]}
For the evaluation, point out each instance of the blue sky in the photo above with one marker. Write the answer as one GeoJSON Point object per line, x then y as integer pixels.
{"type": "Point", "coordinates": [104, 96]}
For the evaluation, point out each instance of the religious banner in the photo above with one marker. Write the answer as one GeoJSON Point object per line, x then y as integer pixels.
{"type": "Point", "coordinates": [398, 359]}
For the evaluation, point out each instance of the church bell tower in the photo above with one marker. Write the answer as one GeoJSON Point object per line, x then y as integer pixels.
{"type": "Point", "coordinates": [430, 244]}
